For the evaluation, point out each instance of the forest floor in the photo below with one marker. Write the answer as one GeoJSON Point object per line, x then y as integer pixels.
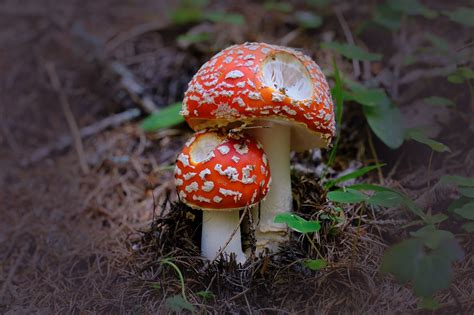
{"type": "Point", "coordinates": [87, 232]}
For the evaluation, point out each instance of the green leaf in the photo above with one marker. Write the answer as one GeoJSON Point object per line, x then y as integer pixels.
{"type": "Point", "coordinates": [156, 285]}
{"type": "Point", "coordinates": [370, 187]}
{"type": "Point", "coordinates": [315, 264]}
{"type": "Point", "coordinates": [223, 17]}
{"type": "Point", "coordinates": [351, 51]}
{"type": "Point", "coordinates": [431, 236]}
{"type": "Point", "coordinates": [206, 295]}
{"type": "Point", "coordinates": [467, 191]}
{"type": "Point", "coordinates": [468, 227]}
{"type": "Point", "coordinates": [400, 259]}
{"type": "Point", "coordinates": [355, 174]}
{"type": "Point", "coordinates": [297, 223]}
{"type": "Point", "coordinates": [417, 135]}
{"type": "Point", "coordinates": [410, 204]}
{"type": "Point", "coordinates": [177, 303]}
{"type": "Point", "coordinates": [458, 180]}
{"type": "Point", "coordinates": [466, 211]}
{"type": "Point", "coordinates": [187, 15]}
{"type": "Point", "coordinates": [412, 7]}
{"type": "Point", "coordinates": [461, 15]}
{"type": "Point", "coordinates": [458, 203]}
{"type": "Point", "coordinates": [429, 303]}
{"type": "Point", "coordinates": [386, 199]}
{"type": "Point", "coordinates": [439, 43]}
{"type": "Point", "coordinates": [460, 75]}
{"type": "Point", "coordinates": [429, 271]}
{"type": "Point", "coordinates": [438, 101]}
{"type": "Point", "coordinates": [387, 17]}
{"type": "Point", "coordinates": [165, 118]}
{"type": "Point", "coordinates": [347, 196]}
{"type": "Point", "coordinates": [367, 97]}
{"type": "Point", "coordinates": [386, 122]}
{"type": "Point", "coordinates": [308, 20]}
{"type": "Point", "coordinates": [435, 219]}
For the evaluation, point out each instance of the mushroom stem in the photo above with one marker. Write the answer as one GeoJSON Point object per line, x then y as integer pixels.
{"type": "Point", "coordinates": [276, 144]}
{"type": "Point", "coordinates": [217, 229]}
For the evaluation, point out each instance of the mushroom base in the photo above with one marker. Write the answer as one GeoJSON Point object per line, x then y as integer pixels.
{"type": "Point", "coordinates": [276, 144]}
{"type": "Point", "coordinates": [217, 229]}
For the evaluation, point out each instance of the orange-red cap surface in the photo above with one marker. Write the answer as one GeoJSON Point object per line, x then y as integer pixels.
{"type": "Point", "coordinates": [237, 85]}
{"type": "Point", "coordinates": [218, 172]}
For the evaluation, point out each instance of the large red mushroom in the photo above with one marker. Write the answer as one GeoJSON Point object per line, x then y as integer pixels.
{"type": "Point", "coordinates": [278, 89]}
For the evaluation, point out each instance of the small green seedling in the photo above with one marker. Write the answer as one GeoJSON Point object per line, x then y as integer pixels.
{"type": "Point", "coordinates": [303, 226]}
{"type": "Point", "coordinates": [177, 303]}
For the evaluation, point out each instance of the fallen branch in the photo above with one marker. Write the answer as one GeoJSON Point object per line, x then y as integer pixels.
{"type": "Point", "coordinates": [349, 38]}
{"type": "Point", "coordinates": [128, 81]}
{"type": "Point", "coordinates": [66, 140]}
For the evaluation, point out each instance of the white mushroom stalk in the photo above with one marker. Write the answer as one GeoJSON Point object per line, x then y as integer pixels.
{"type": "Point", "coordinates": [218, 228]}
{"type": "Point", "coordinates": [220, 175]}
{"type": "Point", "coordinates": [275, 139]}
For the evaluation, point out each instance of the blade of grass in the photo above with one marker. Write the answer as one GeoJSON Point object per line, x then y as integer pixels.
{"type": "Point", "coordinates": [357, 173]}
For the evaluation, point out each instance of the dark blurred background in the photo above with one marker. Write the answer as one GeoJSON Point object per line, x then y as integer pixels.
{"type": "Point", "coordinates": [79, 177]}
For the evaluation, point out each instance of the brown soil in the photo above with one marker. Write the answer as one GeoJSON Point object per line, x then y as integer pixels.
{"type": "Point", "coordinates": [75, 242]}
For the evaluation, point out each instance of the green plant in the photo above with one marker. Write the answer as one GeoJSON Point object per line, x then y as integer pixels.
{"type": "Point", "coordinates": [425, 259]}
{"type": "Point", "coordinates": [383, 117]}
{"type": "Point", "coordinates": [177, 303]}
{"type": "Point", "coordinates": [464, 205]}
{"type": "Point", "coordinates": [165, 118]}
{"type": "Point", "coordinates": [305, 227]}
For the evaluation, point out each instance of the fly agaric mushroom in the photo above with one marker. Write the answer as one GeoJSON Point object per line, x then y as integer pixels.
{"type": "Point", "coordinates": [274, 87]}
{"type": "Point", "coordinates": [220, 175]}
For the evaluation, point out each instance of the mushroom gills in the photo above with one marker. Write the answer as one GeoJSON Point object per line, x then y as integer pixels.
{"type": "Point", "coordinates": [285, 73]}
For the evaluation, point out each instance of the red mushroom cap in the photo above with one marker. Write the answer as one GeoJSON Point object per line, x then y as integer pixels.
{"type": "Point", "coordinates": [257, 81]}
{"type": "Point", "coordinates": [217, 172]}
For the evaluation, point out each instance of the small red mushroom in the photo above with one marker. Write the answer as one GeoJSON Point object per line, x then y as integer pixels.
{"type": "Point", "coordinates": [220, 175]}
{"type": "Point", "coordinates": [274, 87]}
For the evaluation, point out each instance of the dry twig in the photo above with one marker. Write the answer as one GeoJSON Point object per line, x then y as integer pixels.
{"type": "Point", "coordinates": [349, 39]}
{"type": "Point", "coordinates": [95, 128]}
{"type": "Point", "coordinates": [56, 84]}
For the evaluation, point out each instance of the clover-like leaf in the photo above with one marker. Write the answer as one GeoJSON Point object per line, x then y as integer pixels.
{"type": "Point", "coordinates": [466, 211]}
{"type": "Point", "coordinates": [432, 237]}
{"type": "Point", "coordinates": [417, 135]}
{"type": "Point", "coordinates": [177, 303]}
{"type": "Point", "coordinates": [387, 199]}
{"type": "Point", "coordinates": [461, 15]}
{"type": "Point", "coordinates": [315, 264]}
{"type": "Point", "coordinates": [458, 180]}
{"type": "Point", "coordinates": [429, 271]}
{"type": "Point", "coordinates": [298, 223]}
{"type": "Point", "coordinates": [347, 196]}
{"type": "Point", "coordinates": [468, 227]}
